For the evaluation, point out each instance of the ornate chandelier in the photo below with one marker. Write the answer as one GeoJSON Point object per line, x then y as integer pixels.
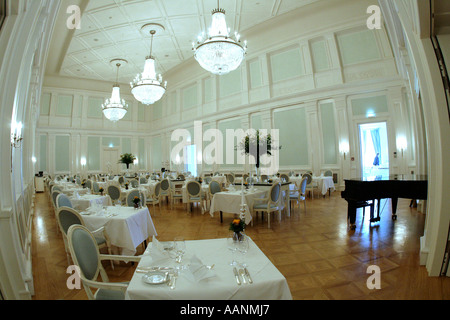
{"type": "Point", "coordinates": [218, 53]}
{"type": "Point", "coordinates": [115, 108]}
{"type": "Point", "coordinates": [148, 87]}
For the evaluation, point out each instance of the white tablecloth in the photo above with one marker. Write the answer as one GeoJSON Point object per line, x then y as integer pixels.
{"type": "Point", "coordinates": [268, 282]}
{"type": "Point", "coordinates": [88, 200]}
{"type": "Point", "coordinates": [219, 179]}
{"type": "Point", "coordinates": [127, 227]}
{"type": "Point", "coordinates": [230, 202]}
{"type": "Point", "coordinates": [324, 183]}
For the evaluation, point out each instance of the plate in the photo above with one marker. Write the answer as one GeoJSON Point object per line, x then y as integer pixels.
{"type": "Point", "coordinates": [155, 277]}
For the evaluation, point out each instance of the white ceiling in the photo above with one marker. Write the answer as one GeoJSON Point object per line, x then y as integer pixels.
{"type": "Point", "coordinates": [111, 29]}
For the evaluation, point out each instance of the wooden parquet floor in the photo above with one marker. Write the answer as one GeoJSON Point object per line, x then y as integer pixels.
{"type": "Point", "coordinates": [320, 258]}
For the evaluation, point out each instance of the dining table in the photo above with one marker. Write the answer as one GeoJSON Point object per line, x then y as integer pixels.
{"type": "Point", "coordinates": [205, 273]}
{"type": "Point", "coordinates": [83, 202]}
{"type": "Point", "coordinates": [230, 201]}
{"type": "Point", "coordinates": [126, 227]}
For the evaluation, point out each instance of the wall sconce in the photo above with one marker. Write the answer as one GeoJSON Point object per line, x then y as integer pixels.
{"type": "Point", "coordinates": [402, 144]}
{"type": "Point", "coordinates": [83, 162]}
{"type": "Point", "coordinates": [16, 134]}
{"type": "Point", "coordinates": [136, 161]}
{"type": "Point", "coordinates": [344, 148]}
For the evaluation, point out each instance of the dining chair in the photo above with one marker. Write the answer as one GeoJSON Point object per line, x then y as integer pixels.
{"type": "Point", "coordinates": [95, 187]}
{"type": "Point", "coordinates": [284, 177]}
{"type": "Point", "coordinates": [328, 173]}
{"type": "Point", "coordinates": [299, 193]}
{"type": "Point", "coordinates": [181, 177]}
{"type": "Point", "coordinates": [269, 204]}
{"type": "Point", "coordinates": [135, 193]}
{"type": "Point", "coordinates": [89, 184]}
{"type": "Point", "coordinates": [142, 180]}
{"type": "Point", "coordinates": [87, 257]}
{"type": "Point", "coordinates": [154, 198]}
{"type": "Point", "coordinates": [165, 188]}
{"type": "Point", "coordinates": [55, 194]}
{"type": "Point", "coordinates": [175, 194]}
{"type": "Point", "coordinates": [67, 217]}
{"type": "Point", "coordinates": [114, 193]}
{"type": "Point", "coordinates": [215, 187]}
{"type": "Point", "coordinates": [264, 178]}
{"type": "Point", "coordinates": [134, 183]}
{"type": "Point", "coordinates": [63, 200]}
{"type": "Point", "coordinates": [245, 177]}
{"type": "Point", "coordinates": [194, 194]}
{"type": "Point", "coordinates": [230, 178]}
{"type": "Point", "coordinates": [310, 185]}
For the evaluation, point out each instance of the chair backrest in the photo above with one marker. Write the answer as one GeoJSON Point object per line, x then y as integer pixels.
{"type": "Point", "coordinates": [244, 177]}
{"type": "Point", "coordinates": [208, 179]}
{"type": "Point", "coordinates": [57, 188]}
{"type": "Point", "coordinates": [165, 185]}
{"type": "Point", "coordinates": [181, 177]}
{"type": "Point", "coordinates": [84, 250]}
{"type": "Point", "coordinates": [284, 177]}
{"type": "Point", "coordinates": [67, 217]}
{"type": "Point", "coordinates": [55, 194]}
{"type": "Point", "coordinates": [135, 193]}
{"type": "Point", "coordinates": [308, 178]}
{"type": "Point", "coordinates": [214, 187]}
{"type": "Point", "coordinates": [78, 180]}
{"type": "Point", "coordinates": [114, 192]}
{"type": "Point", "coordinates": [63, 201]}
{"type": "Point", "coordinates": [264, 177]}
{"type": "Point", "coordinates": [134, 183]}
{"type": "Point", "coordinates": [275, 192]}
{"type": "Point", "coordinates": [303, 185]}
{"type": "Point", "coordinates": [328, 173]}
{"type": "Point", "coordinates": [230, 178]}
{"type": "Point", "coordinates": [121, 181]}
{"type": "Point", "coordinates": [157, 190]}
{"type": "Point", "coordinates": [89, 184]}
{"type": "Point", "coordinates": [193, 188]}
{"type": "Point", "coordinates": [95, 186]}
{"type": "Point", "coordinates": [142, 180]}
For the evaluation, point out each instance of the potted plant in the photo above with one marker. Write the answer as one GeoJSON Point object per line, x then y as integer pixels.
{"type": "Point", "coordinates": [127, 158]}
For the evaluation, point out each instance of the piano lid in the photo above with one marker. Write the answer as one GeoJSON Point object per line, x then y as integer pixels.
{"type": "Point", "coordinates": [402, 177]}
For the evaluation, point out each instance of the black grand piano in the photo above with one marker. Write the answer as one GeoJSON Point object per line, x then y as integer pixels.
{"type": "Point", "coordinates": [364, 192]}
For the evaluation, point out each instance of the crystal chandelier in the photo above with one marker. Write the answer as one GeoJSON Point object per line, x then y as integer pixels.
{"type": "Point", "coordinates": [147, 87]}
{"type": "Point", "coordinates": [115, 108]}
{"type": "Point", "coordinates": [218, 53]}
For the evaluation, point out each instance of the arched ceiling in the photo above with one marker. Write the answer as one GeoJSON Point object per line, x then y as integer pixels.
{"type": "Point", "coordinates": [111, 29]}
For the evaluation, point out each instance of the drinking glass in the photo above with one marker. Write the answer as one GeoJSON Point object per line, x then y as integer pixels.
{"type": "Point", "coordinates": [242, 247]}
{"type": "Point", "coordinates": [180, 248]}
{"type": "Point", "coordinates": [232, 244]}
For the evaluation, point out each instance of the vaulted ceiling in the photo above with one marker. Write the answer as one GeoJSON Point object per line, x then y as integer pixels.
{"type": "Point", "coordinates": [112, 29]}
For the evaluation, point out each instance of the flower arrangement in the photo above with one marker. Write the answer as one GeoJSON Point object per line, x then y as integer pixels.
{"type": "Point", "coordinates": [237, 225]}
{"type": "Point", "coordinates": [126, 185]}
{"type": "Point", "coordinates": [127, 158]}
{"type": "Point", "coordinates": [101, 190]}
{"type": "Point", "coordinates": [257, 145]}
{"type": "Point", "coordinates": [83, 183]}
{"type": "Point", "coordinates": [136, 201]}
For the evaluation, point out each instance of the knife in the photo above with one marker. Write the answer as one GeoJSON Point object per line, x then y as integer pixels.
{"type": "Point", "coordinates": [236, 275]}
{"type": "Point", "coordinates": [248, 276]}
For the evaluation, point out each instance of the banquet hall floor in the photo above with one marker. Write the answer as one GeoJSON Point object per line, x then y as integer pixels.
{"type": "Point", "coordinates": [320, 258]}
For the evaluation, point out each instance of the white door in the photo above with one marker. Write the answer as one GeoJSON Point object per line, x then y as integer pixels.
{"type": "Point", "coordinates": [110, 161]}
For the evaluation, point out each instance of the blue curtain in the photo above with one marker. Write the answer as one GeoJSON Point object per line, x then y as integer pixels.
{"type": "Point", "coordinates": [376, 141]}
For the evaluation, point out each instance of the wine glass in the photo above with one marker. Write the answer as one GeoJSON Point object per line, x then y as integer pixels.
{"type": "Point", "coordinates": [232, 244]}
{"type": "Point", "coordinates": [180, 248]}
{"type": "Point", "coordinates": [242, 247]}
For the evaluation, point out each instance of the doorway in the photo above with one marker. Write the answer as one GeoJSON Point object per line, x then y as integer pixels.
{"type": "Point", "coordinates": [110, 160]}
{"type": "Point", "coordinates": [374, 150]}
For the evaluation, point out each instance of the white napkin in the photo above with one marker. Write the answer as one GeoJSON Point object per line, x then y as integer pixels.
{"type": "Point", "coordinates": [158, 253]}
{"type": "Point", "coordinates": [199, 271]}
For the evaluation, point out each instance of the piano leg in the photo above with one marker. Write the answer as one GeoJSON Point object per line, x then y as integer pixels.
{"type": "Point", "coordinates": [394, 208]}
{"type": "Point", "coordinates": [351, 214]}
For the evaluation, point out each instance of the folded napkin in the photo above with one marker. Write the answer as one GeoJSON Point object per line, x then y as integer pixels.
{"type": "Point", "coordinates": [198, 270]}
{"type": "Point", "coordinates": [158, 253]}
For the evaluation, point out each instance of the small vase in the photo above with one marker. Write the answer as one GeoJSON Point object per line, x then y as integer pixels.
{"type": "Point", "coordinates": [238, 236]}
{"type": "Point", "coordinates": [136, 205]}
